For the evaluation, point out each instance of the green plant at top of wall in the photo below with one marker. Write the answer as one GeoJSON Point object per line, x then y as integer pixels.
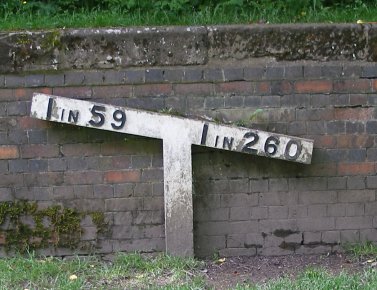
{"type": "Point", "coordinates": [24, 227]}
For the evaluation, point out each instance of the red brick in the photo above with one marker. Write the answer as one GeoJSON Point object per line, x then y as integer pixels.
{"type": "Point", "coordinates": [152, 90]}
{"type": "Point", "coordinates": [352, 86]}
{"type": "Point", "coordinates": [2, 239]}
{"type": "Point", "coordinates": [263, 88]}
{"type": "Point", "coordinates": [235, 87]}
{"type": "Point", "coordinates": [352, 141]}
{"type": "Point", "coordinates": [374, 85]}
{"type": "Point", "coordinates": [82, 92]}
{"type": "Point", "coordinates": [353, 113]}
{"type": "Point", "coordinates": [6, 94]}
{"type": "Point", "coordinates": [356, 168]}
{"type": "Point", "coordinates": [9, 152]}
{"type": "Point", "coordinates": [39, 150]}
{"type": "Point", "coordinates": [325, 141]}
{"type": "Point", "coordinates": [32, 123]}
{"type": "Point", "coordinates": [194, 89]}
{"type": "Point", "coordinates": [27, 93]}
{"type": "Point", "coordinates": [123, 91]}
{"type": "Point", "coordinates": [313, 87]}
{"type": "Point", "coordinates": [122, 176]}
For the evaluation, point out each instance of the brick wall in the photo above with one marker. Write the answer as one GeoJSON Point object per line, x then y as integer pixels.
{"type": "Point", "coordinates": [243, 205]}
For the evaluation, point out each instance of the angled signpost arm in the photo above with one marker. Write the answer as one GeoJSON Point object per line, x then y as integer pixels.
{"type": "Point", "coordinates": [178, 134]}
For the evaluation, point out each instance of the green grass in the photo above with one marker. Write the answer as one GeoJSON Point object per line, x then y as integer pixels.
{"type": "Point", "coordinates": [121, 18]}
{"type": "Point", "coordinates": [136, 271]}
{"type": "Point", "coordinates": [131, 271]}
{"type": "Point", "coordinates": [362, 251]}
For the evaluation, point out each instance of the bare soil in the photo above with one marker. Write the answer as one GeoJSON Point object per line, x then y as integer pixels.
{"type": "Point", "coordinates": [240, 270]}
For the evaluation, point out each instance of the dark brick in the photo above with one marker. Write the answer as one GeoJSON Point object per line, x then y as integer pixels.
{"type": "Point", "coordinates": [372, 154]}
{"type": "Point", "coordinates": [234, 101]}
{"type": "Point", "coordinates": [337, 182]}
{"type": "Point", "coordinates": [214, 102]}
{"type": "Point", "coordinates": [76, 163]}
{"type": "Point", "coordinates": [74, 78]}
{"type": "Point", "coordinates": [356, 155]}
{"type": "Point", "coordinates": [270, 101]}
{"type": "Point", "coordinates": [141, 161]}
{"type": "Point", "coordinates": [332, 71]}
{"type": "Point", "coordinates": [316, 127]}
{"type": "Point", "coordinates": [57, 164]}
{"type": "Point", "coordinates": [37, 136]}
{"type": "Point", "coordinates": [358, 100]}
{"type": "Point", "coordinates": [134, 76]}
{"type": "Point", "coordinates": [146, 103]}
{"type": "Point", "coordinates": [18, 165]}
{"type": "Point", "coordinates": [312, 71]}
{"type": "Point", "coordinates": [356, 182]}
{"type": "Point", "coordinates": [14, 81]}
{"type": "Point", "coordinates": [252, 101]}
{"type": "Point", "coordinates": [54, 80]}
{"type": "Point", "coordinates": [298, 101]}
{"type": "Point", "coordinates": [6, 194]}
{"type": "Point", "coordinates": [63, 192]}
{"type": "Point", "coordinates": [179, 104]}
{"type": "Point", "coordinates": [173, 75]}
{"type": "Point", "coordinates": [193, 75]}
{"type": "Point", "coordinates": [154, 75]}
{"type": "Point", "coordinates": [2, 80]}
{"type": "Point", "coordinates": [123, 190]}
{"type": "Point", "coordinates": [103, 191]}
{"type": "Point", "coordinates": [319, 101]}
{"type": "Point", "coordinates": [94, 77]}
{"type": "Point", "coordinates": [254, 73]}
{"type": "Point", "coordinates": [38, 165]}
{"type": "Point", "coordinates": [371, 182]}
{"type": "Point", "coordinates": [369, 71]}
{"type": "Point", "coordinates": [143, 189]}
{"type": "Point", "coordinates": [114, 77]}
{"type": "Point", "coordinates": [34, 80]}
{"type": "Point", "coordinates": [353, 71]}
{"type": "Point", "coordinates": [3, 166]}
{"type": "Point", "coordinates": [296, 128]}
{"type": "Point", "coordinates": [340, 100]}
{"type": "Point", "coordinates": [355, 127]}
{"type": "Point", "coordinates": [158, 189]}
{"type": "Point", "coordinates": [17, 137]}
{"type": "Point", "coordinates": [154, 174]}
{"type": "Point", "coordinates": [294, 72]}
{"type": "Point", "coordinates": [371, 127]}
{"type": "Point", "coordinates": [195, 103]}
{"type": "Point", "coordinates": [17, 108]}
{"type": "Point", "coordinates": [233, 74]}
{"type": "Point", "coordinates": [274, 73]}
{"type": "Point", "coordinates": [308, 183]}
{"type": "Point", "coordinates": [335, 127]}
{"type": "Point", "coordinates": [213, 75]}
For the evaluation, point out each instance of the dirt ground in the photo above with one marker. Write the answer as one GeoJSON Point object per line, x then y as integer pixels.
{"type": "Point", "coordinates": [239, 270]}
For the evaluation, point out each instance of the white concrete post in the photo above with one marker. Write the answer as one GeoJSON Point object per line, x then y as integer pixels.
{"type": "Point", "coordinates": [178, 134]}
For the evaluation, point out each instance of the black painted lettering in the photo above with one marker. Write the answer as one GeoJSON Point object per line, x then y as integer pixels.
{"type": "Point", "coordinates": [288, 148]}
{"type": "Point", "coordinates": [99, 118]}
{"type": "Point", "coordinates": [120, 117]}
{"type": "Point", "coordinates": [73, 116]}
{"type": "Point", "coordinates": [228, 142]}
{"type": "Point", "coordinates": [62, 116]}
{"type": "Point", "coordinates": [204, 134]}
{"type": "Point", "coordinates": [216, 141]}
{"type": "Point", "coordinates": [271, 145]}
{"type": "Point", "coordinates": [254, 140]}
{"type": "Point", "coordinates": [49, 108]}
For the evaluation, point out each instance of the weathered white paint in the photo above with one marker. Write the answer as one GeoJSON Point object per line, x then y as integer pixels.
{"type": "Point", "coordinates": [178, 134]}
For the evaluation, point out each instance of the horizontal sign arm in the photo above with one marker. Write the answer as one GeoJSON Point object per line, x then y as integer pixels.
{"type": "Point", "coordinates": [162, 126]}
